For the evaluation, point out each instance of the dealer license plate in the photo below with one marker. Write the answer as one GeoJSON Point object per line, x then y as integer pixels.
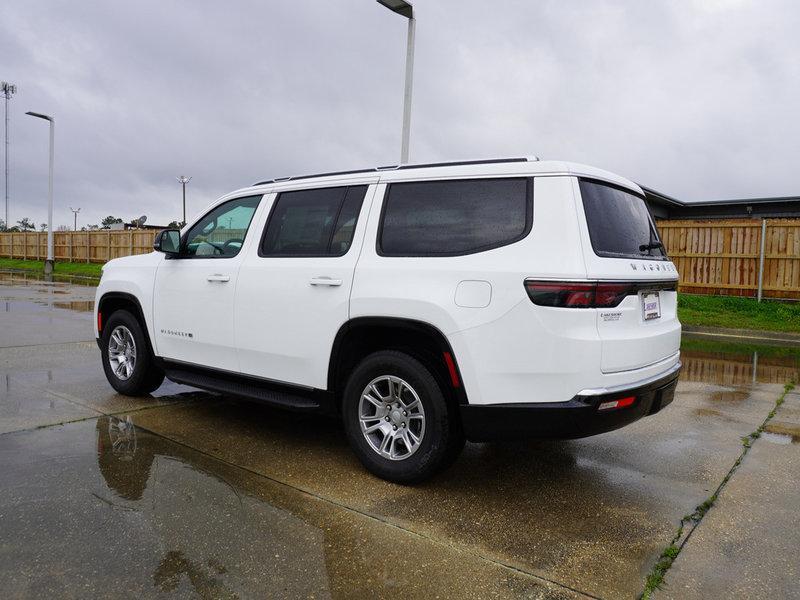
{"type": "Point", "coordinates": [651, 306]}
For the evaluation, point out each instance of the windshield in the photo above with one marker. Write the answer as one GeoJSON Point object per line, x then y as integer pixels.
{"type": "Point", "coordinates": [619, 223]}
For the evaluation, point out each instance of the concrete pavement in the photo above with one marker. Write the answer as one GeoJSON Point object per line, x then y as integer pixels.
{"type": "Point", "coordinates": [188, 492]}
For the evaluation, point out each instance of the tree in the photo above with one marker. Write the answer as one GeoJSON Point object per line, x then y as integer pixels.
{"type": "Point", "coordinates": [2, 225]}
{"type": "Point", "coordinates": [63, 228]}
{"type": "Point", "coordinates": [43, 227]}
{"type": "Point", "coordinates": [109, 221]}
{"type": "Point", "coordinates": [175, 225]}
{"type": "Point", "coordinates": [25, 224]}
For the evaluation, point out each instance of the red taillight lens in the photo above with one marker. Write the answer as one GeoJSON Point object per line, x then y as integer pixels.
{"type": "Point", "coordinates": [547, 293]}
{"type": "Point", "coordinates": [567, 294]}
{"type": "Point", "coordinates": [609, 295]}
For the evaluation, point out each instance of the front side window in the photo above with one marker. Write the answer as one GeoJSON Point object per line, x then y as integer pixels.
{"type": "Point", "coordinates": [619, 222]}
{"type": "Point", "coordinates": [317, 222]}
{"type": "Point", "coordinates": [448, 218]}
{"type": "Point", "coordinates": [221, 233]}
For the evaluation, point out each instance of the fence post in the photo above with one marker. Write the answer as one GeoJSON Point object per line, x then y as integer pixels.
{"type": "Point", "coordinates": [88, 244]}
{"type": "Point", "coordinates": [25, 246]}
{"type": "Point", "coordinates": [761, 259]}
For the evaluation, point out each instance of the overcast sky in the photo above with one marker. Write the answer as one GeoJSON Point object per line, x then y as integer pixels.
{"type": "Point", "coordinates": [698, 99]}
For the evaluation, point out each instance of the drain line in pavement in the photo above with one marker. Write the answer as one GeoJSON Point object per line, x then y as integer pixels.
{"type": "Point", "coordinates": [690, 522]}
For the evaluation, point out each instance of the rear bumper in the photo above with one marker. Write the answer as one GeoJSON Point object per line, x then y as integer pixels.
{"type": "Point", "coordinates": [576, 418]}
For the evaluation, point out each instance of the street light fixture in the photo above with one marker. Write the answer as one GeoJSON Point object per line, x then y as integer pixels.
{"type": "Point", "coordinates": [75, 212]}
{"type": "Point", "coordinates": [404, 9]}
{"type": "Point", "coordinates": [48, 264]}
{"type": "Point", "coordinates": [183, 180]}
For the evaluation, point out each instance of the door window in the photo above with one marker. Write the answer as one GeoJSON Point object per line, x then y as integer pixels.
{"type": "Point", "coordinates": [318, 222]}
{"type": "Point", "coordinates": [221, 233]}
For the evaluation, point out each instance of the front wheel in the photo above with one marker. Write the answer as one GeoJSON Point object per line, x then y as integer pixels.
{"type": "Point", "coordinates": [397, 419]}
{"type": "Point", "coordinates": [127, 360]}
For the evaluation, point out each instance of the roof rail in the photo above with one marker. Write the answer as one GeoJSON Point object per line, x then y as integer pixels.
{"type": "Point", "coordinates": [455, 163]}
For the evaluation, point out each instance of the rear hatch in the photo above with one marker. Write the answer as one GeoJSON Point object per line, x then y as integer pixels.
{"type": "Point", "coordinates": [622, 248]}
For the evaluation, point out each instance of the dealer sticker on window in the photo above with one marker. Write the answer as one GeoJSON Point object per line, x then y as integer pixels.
{"type": "Point", "coordinates": [651, 306]}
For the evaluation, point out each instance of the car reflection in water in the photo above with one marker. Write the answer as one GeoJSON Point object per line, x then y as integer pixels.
{"type": "Point", "coordinates": [221, 542]}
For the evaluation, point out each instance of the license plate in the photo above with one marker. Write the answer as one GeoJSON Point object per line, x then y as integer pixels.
{"type": "Point", "coordinates": [651, 306]}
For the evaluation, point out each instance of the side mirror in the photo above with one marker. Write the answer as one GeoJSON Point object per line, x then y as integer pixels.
{"type": "Point", "coordinates": [168, 241]}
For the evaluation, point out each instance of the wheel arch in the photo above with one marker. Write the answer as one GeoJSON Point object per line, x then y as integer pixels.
{"type": "Point", "coordinates": [113, 301]}
{"type": "Point", "coordinates": [363, 335]}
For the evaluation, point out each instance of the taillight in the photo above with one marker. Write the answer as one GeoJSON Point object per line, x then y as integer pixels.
{"type": "Point", "coordinates": [568, 294]}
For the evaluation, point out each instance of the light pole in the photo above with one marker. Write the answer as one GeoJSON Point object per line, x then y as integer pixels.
{"type": "Point", "coordinates": [75, 212]}
{"type": "Point", "coordinates": [403, 8]}
{"type": "Point", "coordinates": [8, 89]}
{"type": "Point", "coordinates": [183, 180]}
{"type": "Point", "coordinates": [48, 264]}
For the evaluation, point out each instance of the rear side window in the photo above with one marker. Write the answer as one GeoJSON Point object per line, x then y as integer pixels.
{"type": "Point", "coordinates": [319, 222]}
{"type": "Point", "coordinates": [448, 218]}
{"type": "Point", "coordinates": [619, 222]}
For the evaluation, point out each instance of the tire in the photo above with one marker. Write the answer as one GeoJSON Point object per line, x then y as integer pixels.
{"type": "Point", "coordinates": [401, 459]}
{"type": "Point", "coordinates": [144, 377]}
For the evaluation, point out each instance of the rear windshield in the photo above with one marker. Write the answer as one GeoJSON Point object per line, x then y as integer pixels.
{"type": "Point", "coordinates": [619, 223]}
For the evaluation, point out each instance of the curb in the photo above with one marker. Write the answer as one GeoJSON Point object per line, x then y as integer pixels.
{"type": "Point", "coordinates": [769, 338]}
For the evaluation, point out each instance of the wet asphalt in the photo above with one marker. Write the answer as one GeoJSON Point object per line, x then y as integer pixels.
{"type": "Point", "coordinates": [190, 494]}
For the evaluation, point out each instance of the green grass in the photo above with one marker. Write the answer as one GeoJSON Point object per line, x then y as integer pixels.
{"type": "Point", "coordinates": [738, 313]}
{"type": "Point", "coordinates": [60, 268]}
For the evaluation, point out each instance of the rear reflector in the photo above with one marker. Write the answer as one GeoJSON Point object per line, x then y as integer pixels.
{"type": "Point", "coordinates": [99, 322]}
{"type": "Point", "coordinates": [451, 368]}
{"type": "Point", "coordinates": [589, 294]}
{"type": "Point", "coordinates": [614, 404]}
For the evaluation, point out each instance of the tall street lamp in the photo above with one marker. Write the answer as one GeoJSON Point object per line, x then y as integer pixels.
{"type": "Point", "coordinates": [48, 264]}
{"type": "Point", "coordinates": [183, 180]}
{"type": "Point", "coordinates": [403, 8]}
{"type": "Point", "coordinates": [8, 90]}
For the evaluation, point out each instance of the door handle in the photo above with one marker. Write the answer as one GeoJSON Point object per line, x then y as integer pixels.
{"type": "Point", "coordinates": [218, 277]}
{"type": "Point", "coordinates": [325, 281]}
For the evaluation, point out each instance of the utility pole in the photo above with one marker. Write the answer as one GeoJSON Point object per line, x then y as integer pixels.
{"type": "Point", "coordinates": [8, 89]}
{"type": "Point", "coordinates": [183, 180]}
{"type": "Point", "coordinates": [75, 212]}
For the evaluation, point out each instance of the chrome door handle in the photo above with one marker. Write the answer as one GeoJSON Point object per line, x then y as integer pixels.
{"type": "Point", "coordinates": [220, 278]}
{"type": "Point", "coordinates": [325, 281]}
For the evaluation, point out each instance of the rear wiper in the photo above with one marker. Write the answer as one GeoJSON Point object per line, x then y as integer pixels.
{"type": "Point", "coordinates": [650, 246]}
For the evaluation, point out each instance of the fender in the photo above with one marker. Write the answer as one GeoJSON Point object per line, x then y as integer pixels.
{"type": "Point", "coordinates": [112, 298]}
{"type": "Point", "coordinates": [447, 356]}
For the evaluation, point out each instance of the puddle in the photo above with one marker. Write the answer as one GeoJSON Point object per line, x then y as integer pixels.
{"type": "Point", "coordinates": [139, 513]}
{"type": "Point", "coordinates": [778, 438]}
{"type": "Point", "coordinates": [782, 433]}
{"type": "Point", "coordinates": [728, 364]}
{"type": "Point", "coordinates": [730, 396]}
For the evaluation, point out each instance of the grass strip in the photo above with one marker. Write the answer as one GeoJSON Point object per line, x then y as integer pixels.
{"type": "Point", "coordinates": [59, 268]}
{"type": "Point", "coordinates": [655, 578]}
{"type": "Point", "coordinates": [738, 313]}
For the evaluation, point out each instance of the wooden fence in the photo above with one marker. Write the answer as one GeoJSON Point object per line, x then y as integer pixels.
{"type": "Point", "coordinates": [724, 256]}
{"type": "Point", "coordinates": [713, 257]}
{"type": "Point", "coordinates": [78, 246]}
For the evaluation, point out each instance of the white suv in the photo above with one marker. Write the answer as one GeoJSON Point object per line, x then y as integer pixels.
{"type": "Point", "coordinates": [422, 304]}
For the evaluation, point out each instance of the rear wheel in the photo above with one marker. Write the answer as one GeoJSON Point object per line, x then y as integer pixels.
{"type": "Point", "coordinates": [127, 360]}
{"type": "Point", "coordinates": [397, 419]}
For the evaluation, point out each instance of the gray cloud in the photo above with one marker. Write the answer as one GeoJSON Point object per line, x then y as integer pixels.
{"type": "Point", "coordinates": [697, 99]}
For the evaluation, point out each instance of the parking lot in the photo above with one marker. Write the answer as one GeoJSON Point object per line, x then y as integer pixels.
{"type": "Point", "coordinates": [187, 492]}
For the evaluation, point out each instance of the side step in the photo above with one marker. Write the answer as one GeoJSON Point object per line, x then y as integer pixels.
{"type": "Point", "coordinates": [278, 395]}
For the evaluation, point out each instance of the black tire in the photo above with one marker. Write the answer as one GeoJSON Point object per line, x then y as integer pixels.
{"type": "Point", "coordinates": [146, 376]}
{"type": "Point", "coordinates": [442, 439]}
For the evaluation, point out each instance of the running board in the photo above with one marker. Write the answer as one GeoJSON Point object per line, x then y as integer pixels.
{"type": "Point", "coordinates": [274, 394]}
